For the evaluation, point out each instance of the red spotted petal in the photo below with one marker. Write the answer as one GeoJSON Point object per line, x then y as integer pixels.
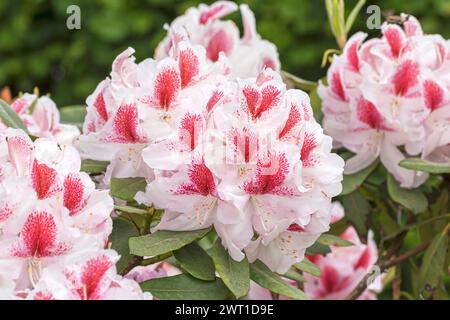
{"type": "Point", "coordinates": [167, 85]}
{"type": "Point", "coordinates": [39, 237]}
{"type": "Point", "coordinates": [20, 150]}
{"type": "Point", "coordinates": [43, 180]}
{"type": "Point", "coordinates": [219, 42]}
{"type": "Point", "coordinates": [337, 86]}
{"type": "Point", "coordinates": [405, 77]}
{"type": "Point", "coordinates": [368, 114]}
{"type": "Point", "coordinates": [434, 95]}
{"type": "Point", "coordinates": [293, 119]}
{"type": "Point", "coordinates": [201, 181]}
{"type": "Point", "coordinates": [74, 197]}
{"type": "Point", "coordinates": [100, 106]}
{"type": "Point", "coordinates": [93, 273]}
{"type": "Point", "coordinates": [215, 98]}
{"type": "Point", "coordinates": [309, 143]}
{"type": "Point", "coordinates": [270, 176]}
{"type": "Point", "coordinates": [125, 125]}
{"type": "Point", "coordinates": [191, 127]}
{"type": "Point", "coordinates": [395, 38]}
{"type": "Point", "coordinates": [189, 66]}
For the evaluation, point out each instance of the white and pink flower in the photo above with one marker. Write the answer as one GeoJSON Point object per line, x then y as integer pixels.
{"type": "Point", "coordinates": [248, 55]}
{"type": "Point", "coordinates": [387, 98]}
{"type": "Point", "coordinates": [341, 270]}
{"type": "Point", "coordinates": [42, 119]}
{"type": "Point", "coordinates": [50, 214]}
{"type": "Point", "coordinates": [260, 170]}
{"type": "Point", "coordinates": [91, 276]}
{"type": "Point", "coordinates": [142, 103]}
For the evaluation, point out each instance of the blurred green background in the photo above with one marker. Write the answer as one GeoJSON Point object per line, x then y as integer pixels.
{"type": "Point", "coordinates": [36, 48]}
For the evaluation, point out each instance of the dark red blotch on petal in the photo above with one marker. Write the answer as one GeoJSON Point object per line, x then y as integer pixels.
{"type": "Point", "coordinates": [43, 179]}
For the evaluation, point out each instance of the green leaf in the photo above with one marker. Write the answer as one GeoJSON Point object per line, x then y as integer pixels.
{"type": "Point", "coordinates": [433, 263]}
{"type": "Point", "coordinates": [357, 210]}
{"type": "Point", "coordinates": [163, 241]}
{"type": "Point", "coordinates": [318, 248]}
{"type": "Point", "coordinates": [378, 177]}
{"type": "Point", "coordinates": [307, 266]}
{"type": "Point", "coordinates": [412, 199]}
{"type": "Point", "coordinates": [126, 188]}
{"type": "Point", "coordinates": [353, 14]}
{"type": "Point", "coordinates": [94, 166]}
{"type": "Point", "coordinates": [73, 115]}
{"type": "Point", "coordinates": [425, 165]}
{"type": "Point", "coordinates": [186, 287]}
{"type": "Point", "coordinates": [299, 83]}
{"type": "Point", "coordinates": [293, 274]}
{"type": "Point", "coordinates": [122, 231]}
{"type": "Point", "coordinates": [10, 118]}
{"type": "Point", "coordinates": [262, 275]}
{"type": "Point", "coordinates": [387, 223]}
{"type": "Point", "coordinates": [195, 261]}
{"type": "Point", "coordinates": [337, 228]}
{"type": "Point", "coordinates": [352, 181]}
{"type": "Point", "coordinates": [235, 275]}
{"type": "Point", "coordinates": [332, 240]}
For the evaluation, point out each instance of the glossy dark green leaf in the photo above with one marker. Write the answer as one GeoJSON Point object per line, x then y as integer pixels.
{"type": "Point", "coordinates": [294, 274]}
{"type": "Point", "coordinates": [353, 181]}
{"type": "Point", "coordinates": [263, 276]}
{"type": "Point", "coordinates": [307, 266]}
{"type": "Point", "coordinates": [94, 166]}
{"type": "Point", "coordinates": [357, 210]}
{"type": "Point", "coordinates": [194, 260]}
{"type": "Point", "coordinates": [163, 241]}
{"type": "Point", "coordinates": [318, 248]}
{"type": "Point", "coordinates": [412, 199]}
{"type": "Point", "coordinates": [434, 265]}
{"type": "Point", "coordinates": [425, 165]}
{"type": "Point", "coordinates": [186, 287]}
{"type": "Point", "coordinates": [122, 231]}
{"type": "Point", "coordinates": [126, 188]}
{"type": "Point", "coordinates": [235, 274]}
{"type": "Point", "coordinates": [332, 240]}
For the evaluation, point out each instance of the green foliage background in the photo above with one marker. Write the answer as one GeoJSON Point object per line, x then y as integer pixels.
{"type": "Point", "coordinates": [36, 48]}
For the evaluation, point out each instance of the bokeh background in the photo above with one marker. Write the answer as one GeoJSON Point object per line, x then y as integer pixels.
{"type": "Point", "coordinates": [36, 48]}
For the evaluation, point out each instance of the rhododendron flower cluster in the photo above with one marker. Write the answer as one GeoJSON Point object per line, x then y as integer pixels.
{"type": "Point", "coordinates": [256, 166]}
{"type": "Point", "coordinates": [388, 98]}
{"type": "Point", "coordinates": [243, 155]}
{"type": "Point", "coordinates": [140, 103]}
{"type": "Point", "coordinates": [42, 119]}
{"type": "Point", "coordinates": [203, 26]}
{"type": "Point", "coordinates": [54, 231]}
{"type": "Point", "coordinates": [341, 269]}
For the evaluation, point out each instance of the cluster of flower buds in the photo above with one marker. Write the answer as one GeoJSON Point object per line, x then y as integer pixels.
{"type": "Point", "coordinates": [389, 97]}
{"type": "Point", "coordinates": [53, 233]}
